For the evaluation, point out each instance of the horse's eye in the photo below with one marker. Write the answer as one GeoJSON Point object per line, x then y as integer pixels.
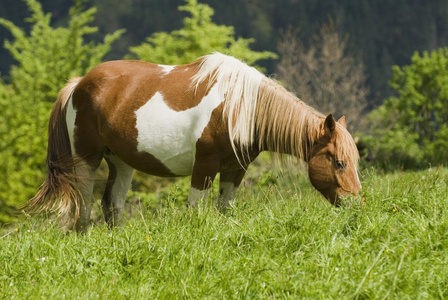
{"type": "Point", "coordinates": [340, 164]}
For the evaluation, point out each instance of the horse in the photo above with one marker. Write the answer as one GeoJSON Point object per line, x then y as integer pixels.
{"type": "Point", "coordinates": [214, 115]}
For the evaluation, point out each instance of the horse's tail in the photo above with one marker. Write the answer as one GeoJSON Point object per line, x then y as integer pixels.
{"type": "Point", "coordinates": [58, 192]}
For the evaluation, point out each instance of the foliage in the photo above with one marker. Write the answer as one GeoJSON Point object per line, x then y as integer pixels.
{"type": "Point", "coordinates": [198, 37]}
{"type": "Point", "coordinates": [325, 74]}
{"type": "Point", "coordinates": [274, 243]}
{"type": "Point", "coordinates": [49, 56]}
{"type": "Point", "coordinates": [412, 128]}
{"type": "Point", "coordinates": [377, 33]}
{"type": "Point", "coordinates": [46, 57]}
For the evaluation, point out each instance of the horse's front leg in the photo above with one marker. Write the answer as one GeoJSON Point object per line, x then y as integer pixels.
{"type": "Point", "coordinates": [204, 172]}
{"type": "Point", "coordinates": [228, 184]}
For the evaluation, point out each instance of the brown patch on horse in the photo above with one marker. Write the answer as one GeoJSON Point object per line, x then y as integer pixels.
{"type": "Point", "coordinates": [180, 93]}
{"type": "Point", "coordinates": [214, 152]}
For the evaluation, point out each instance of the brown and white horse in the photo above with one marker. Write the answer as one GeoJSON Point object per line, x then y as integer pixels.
{"type": "Point", "coordinates": [213, 115]}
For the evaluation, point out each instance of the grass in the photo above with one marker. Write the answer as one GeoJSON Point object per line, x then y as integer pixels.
{"type": "Point", "coordinates": [276, 242]}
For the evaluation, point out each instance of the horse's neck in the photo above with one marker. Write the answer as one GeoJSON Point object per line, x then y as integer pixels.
{"type": "Point", "coordinates": [284, 123]}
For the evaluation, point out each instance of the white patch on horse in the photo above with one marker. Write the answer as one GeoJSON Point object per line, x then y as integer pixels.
{"type": "Point", "coordinates": [195, 196]}
{"type": "Point", "coordinates": [171, 136]}
{"type": "Point", "coordinates": [70, 119]}
{"type": "Point", "coordinates": [166, 69]}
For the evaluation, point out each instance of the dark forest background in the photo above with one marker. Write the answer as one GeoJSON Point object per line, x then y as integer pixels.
{"type": "Point", "coordinates": [381, 32]}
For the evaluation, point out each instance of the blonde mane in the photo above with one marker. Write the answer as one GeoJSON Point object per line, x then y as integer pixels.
{"type": "Point", "coordinates": [238, 84]}
{"type": "Point", "coordinates": [256, 106]}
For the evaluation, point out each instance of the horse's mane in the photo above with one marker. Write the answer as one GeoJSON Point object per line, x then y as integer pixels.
{"type": "Point", "coordinates": [239, 86]}
{"type": "Point", "coordinates": [255, 105]}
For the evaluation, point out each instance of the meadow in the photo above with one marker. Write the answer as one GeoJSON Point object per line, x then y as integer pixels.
{"type": "Point", "coordinates": [280, 239]}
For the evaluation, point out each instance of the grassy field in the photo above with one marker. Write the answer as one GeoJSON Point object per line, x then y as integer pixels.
{"type": "Point", "coordinates": [278, 241]}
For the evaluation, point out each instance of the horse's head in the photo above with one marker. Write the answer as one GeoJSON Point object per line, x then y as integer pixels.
{"type": "Point", "coordinates": [333, 161]}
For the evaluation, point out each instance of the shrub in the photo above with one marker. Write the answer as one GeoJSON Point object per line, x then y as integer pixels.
{"type": "Point", "coordinates": [46, 58]}
{"type": "Point", "coordinates": [411, 129]}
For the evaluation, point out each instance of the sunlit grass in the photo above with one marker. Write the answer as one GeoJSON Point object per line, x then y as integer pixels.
{"type": "Point", "coordinates": [277, 241]}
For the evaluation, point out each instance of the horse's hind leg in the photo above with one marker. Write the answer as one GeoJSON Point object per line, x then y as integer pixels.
{"type": "Point", "coordinates": [118, 183]}
{"type": "Point", "coordinates": [84, 179]}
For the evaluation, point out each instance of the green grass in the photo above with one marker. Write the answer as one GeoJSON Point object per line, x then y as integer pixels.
{"type": "Point", "coordinates": [276, 242]}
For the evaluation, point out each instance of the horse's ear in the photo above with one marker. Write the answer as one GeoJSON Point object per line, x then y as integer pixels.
{"type": "Point", "coordinates": [329, 125]}
{"type": "Point", "coordinates": [342, 122]}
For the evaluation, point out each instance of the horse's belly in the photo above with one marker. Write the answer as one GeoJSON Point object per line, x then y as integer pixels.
{"type": "Point", "coordinates": [170, 136]}
{"type": "Point", "coordinates": [180, 164]}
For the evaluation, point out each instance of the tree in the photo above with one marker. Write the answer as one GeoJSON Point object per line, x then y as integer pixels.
{"type": "Point", "coordinates": [412, 128]}
{"type": "Point", "coordinates": [46, 58]}
{"type": "Point", "coordinates": [198, 37]}
{"type": "Point", "coordinates": [324, 74]}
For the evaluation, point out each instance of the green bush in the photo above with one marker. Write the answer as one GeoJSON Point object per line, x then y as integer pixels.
{"type": "Point", "coordinates": [411, 129]}
{"type": "Point", "coordinates": [46, 58]}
